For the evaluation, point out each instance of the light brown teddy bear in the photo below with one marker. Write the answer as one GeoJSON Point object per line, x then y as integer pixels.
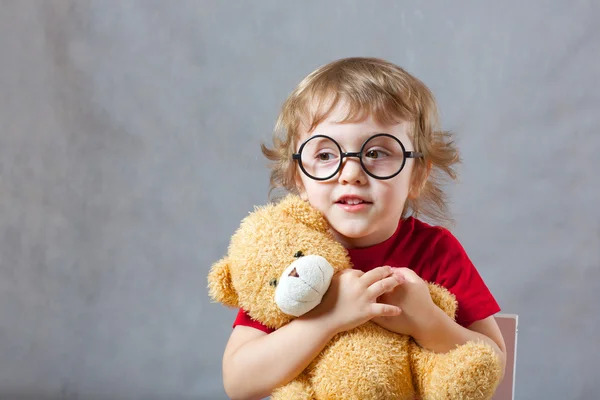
{"type": "Point", "coordinates": [279, 265]}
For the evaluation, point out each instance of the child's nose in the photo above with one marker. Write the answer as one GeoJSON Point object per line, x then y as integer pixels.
{"type": "Point", "coordinates": [352, 172]}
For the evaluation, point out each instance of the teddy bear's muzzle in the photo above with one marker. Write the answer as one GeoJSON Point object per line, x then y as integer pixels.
{"type": "Point", "coordinates": [302, 285]}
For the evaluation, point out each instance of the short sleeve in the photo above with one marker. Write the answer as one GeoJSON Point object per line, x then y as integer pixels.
{"type": "Point", "coordinates": [452, 269]}
{"type": "Point", "coordinates": [244, 319]}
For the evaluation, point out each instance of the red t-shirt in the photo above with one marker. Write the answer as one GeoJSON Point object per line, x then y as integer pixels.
{"type": "Point", "coordinates": [436, 256]}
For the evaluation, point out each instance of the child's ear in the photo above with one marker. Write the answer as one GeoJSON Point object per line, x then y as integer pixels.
{"type": "Point", "coordinates": [419, 179]}
{"type": "Point", "coordinates": [303, 212]}
{"type": "Point", "coordinates": [220, 287]}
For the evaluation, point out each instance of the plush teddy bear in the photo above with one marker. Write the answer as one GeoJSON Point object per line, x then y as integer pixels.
{"type": "Point", "coordinates": [279, 265]}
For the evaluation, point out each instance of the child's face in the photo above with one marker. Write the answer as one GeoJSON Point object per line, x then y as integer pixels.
{"type": "Point", "coordinates": [376, 219]}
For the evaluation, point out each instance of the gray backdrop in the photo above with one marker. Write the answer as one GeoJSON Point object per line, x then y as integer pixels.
{"type": "Point", "coordinates": [129, 152]}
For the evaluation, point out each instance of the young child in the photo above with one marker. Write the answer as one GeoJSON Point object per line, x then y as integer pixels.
{"type": "Point", "coordinates": [358, 140]}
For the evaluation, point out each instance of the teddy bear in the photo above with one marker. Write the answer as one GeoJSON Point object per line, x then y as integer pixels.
{"type": "Point", "coordinates": [279, 264]}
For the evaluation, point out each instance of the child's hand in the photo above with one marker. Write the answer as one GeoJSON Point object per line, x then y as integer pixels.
{"type": "Point", "coordinates": [413, 298]}
{"type": "Point", "coordinates": [351, 299]}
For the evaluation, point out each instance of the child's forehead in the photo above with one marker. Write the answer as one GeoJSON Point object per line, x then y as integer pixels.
{"type": "Point", "coordinates": [348, 121]}
{"type": "Point", "coordinates": [339, 124]}
{"type": "Point", "coordinates": [351, 136]}
{"type": "Point", "coordinates": [331, 109]}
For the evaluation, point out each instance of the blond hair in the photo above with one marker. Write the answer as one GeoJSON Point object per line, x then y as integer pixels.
{"type": "Point", "coordinates": [377, 88]}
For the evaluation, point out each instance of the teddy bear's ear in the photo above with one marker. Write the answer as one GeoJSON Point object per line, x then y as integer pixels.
{"type": "Point", "coordinates": [303, 212]}
{"type": "Point", "coordinates": [220, 287]}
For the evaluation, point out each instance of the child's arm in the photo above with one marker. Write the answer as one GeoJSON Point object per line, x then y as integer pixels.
{"type": "Point", "coordinates": [254, 363]}
{"type": "Point", "coordinates": [429, 325]}
{"type": "Point", "coordinates": [444, 334]}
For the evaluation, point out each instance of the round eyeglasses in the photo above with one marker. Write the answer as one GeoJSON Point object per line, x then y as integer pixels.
{"type": "Point", "coordinates": [382, 156]}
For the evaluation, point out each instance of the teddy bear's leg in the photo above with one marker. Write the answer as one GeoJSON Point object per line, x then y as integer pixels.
{"type": "Point", "coordinates": [299, 388]}
{"type": "Point", "coordinates": [469, 372]}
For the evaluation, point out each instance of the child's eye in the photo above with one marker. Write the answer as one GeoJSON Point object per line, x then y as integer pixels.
{"type": "Point", "coordinates": [375, 154]}
{"type": "Point", "coordinates": [324, 156]}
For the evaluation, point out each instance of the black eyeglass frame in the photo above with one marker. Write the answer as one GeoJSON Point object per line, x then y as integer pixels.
{"type": "Point", "coordinates": [406, 154]}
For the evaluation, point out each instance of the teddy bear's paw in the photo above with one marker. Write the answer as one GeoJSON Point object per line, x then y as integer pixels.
{"type": "Point", "coordinates": [469, 372]}
{"type": "Point", "coordinates": [298, 389]}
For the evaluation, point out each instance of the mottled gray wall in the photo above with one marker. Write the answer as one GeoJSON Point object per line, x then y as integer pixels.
{"type": "Point", "coordinates": [129, 152]}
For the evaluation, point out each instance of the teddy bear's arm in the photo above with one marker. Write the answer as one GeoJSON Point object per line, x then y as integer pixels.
{"type": "Point", "coordinates": [469, 372]}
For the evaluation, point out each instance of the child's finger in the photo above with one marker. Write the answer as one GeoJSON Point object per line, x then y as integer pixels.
{"type": "Point", "coordinates": [376, 274]}
{"type": "Point", "coordinates": [382, 286]}
{"type": "Point", "coordinates": [405, 274]}
{"type": "Point", "coordinates": [384, 310]}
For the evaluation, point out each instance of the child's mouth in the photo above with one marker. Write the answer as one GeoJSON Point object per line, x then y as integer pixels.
{"type": "Point", "coordinates": [351, 201]}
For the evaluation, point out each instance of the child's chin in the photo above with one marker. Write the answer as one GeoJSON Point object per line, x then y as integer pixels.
{"type": "Point", "coordinates": [352, 232]}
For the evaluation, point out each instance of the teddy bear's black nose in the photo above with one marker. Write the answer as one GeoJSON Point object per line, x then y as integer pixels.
{"type": "Point", "coordinates": [298, 254]}
{"type": "Point", "coordinates": [273, 282]}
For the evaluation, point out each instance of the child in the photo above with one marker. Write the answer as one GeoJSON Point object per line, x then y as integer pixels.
{"type": "Point", "coordinates": [358, 140]}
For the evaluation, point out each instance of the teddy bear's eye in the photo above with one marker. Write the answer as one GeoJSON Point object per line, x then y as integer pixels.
{"type": "Point", "coordinates": [299, 254]}
{"type": "Point", "coordinates": [273, 282]}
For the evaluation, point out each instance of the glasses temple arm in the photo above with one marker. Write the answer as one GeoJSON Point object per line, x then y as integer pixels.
{"type": "Point", "coordinates": [413, 154]}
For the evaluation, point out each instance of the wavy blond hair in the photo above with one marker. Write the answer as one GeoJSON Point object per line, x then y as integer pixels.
{"type": "Point", "coordinates": [377, 88]}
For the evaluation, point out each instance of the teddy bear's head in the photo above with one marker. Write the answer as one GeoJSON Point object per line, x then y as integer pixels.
{"type": "Point", "coordinates": [279, 263]}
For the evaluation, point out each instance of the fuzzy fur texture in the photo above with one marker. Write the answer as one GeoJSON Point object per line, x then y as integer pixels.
{"type": "Point", "coordinates": [367, 362]}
